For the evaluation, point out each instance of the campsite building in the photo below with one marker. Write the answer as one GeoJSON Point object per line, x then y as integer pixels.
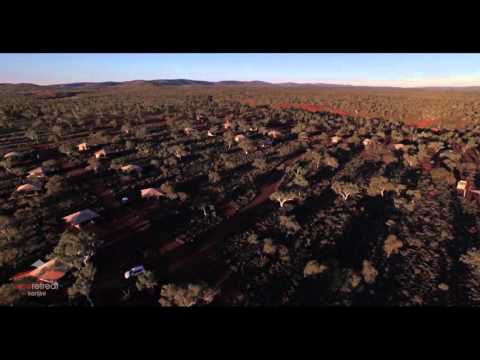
{"type": "Point", "coordinates": [239, 138]}
{"type": "Point", "coordinates": [274, 134]}
{"type": "Point", "coordinates": [38, 172]}
{"type": "Point", "coordinates": [366, 142]}
{"type": "Point", "coordinates": [463, 187]}
{"type": "Point", "coordinates": [82, 147]}
{"type": "Point", "coordinates": [27, 188]}
{"type": "Point", "coordinates": [11, 154]}
{"type": "Point", "coordinates": [100, 153]}
{"type": "Point", "coordinates": [151, 193]}
{"type": "Point", "coordinates": [129, 168]}
{"type": "Point", "coordinates": [80, 217]}
{"type": "Point", "coordinates": [336, 139]}
{"type": "Point", "coordinates": [49, 272]}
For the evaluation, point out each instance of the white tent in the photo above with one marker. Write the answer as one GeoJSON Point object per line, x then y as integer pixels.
{"type": "Point", "coordinates": [100, 153]}
{"type": "Point", "coordinates": [38, 172]}
{"type": "Point", "coordinates": [130, 168]}
{"type": "Point", "coordinates": [239, 138]}
{"type": "Point", "coordinates": [76, 219]}
{"type": "Point", "coordinates": [11, 154]}
{"type": "Point", "coordinates": [151, 193]}
{"type": "Point", "coordinates": [336, 139]}
{"type": "Point", "coordinates": [27, 188]}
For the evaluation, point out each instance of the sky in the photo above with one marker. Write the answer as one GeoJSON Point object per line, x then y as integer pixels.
{"type": "Point", "coordinates": [405, 70]}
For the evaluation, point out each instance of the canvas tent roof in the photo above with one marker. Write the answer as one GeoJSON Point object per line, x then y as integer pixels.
{"type": "Point", "coordinates": [274, 133]}
{"type": "Point", "coordinates": [11, 154]}
{"type": "Point", "coordinates": [151, 192]}
{"type": "Point", "coordinates": [27, 187]}
{"type": "Point", "coordinates": [461, 185]}
{"type": "Point", "coordinates": [80, 217]}
{"type": "Point", "coordinates": [101, 152]}
{"type": "Point", "coordinates": [52, 270]}
{"type": "Point", "coordinates": [82, 146]}
{"type": "Point", "coordinates": [129, 168]}
{"type": "Point", "coordinates": [239, 137]}
{"type": "Point", "coordinates": [38, 263]}
{"type": "Point", "coordinates": [36, 172]}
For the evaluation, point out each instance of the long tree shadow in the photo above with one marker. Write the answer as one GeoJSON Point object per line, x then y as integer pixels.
{"type": "Point", "coordinates": [363, 231]}
{"type": "Point", "coordinates": [463, 240]}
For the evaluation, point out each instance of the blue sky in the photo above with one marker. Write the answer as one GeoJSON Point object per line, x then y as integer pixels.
{"type": "Point", "coordinates": [357, 69]}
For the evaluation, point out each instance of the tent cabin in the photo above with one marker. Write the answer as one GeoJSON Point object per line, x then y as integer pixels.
{"type": "Point", "coordinates": [100, 153]}
{"type": "Point", "coordinates": [38, 172]}
{"type": "Point", "coordinates": [49, 272]}
{"type": "Point", "coordinates": [151, 193]}
{"type": "Point", "coordinates": [82, 147]}
{"type": "Point", "coordinates": [266, 144]}
{"type": "Point", "coordinates": [80, 217]}
{"type": "Point", "coordinates": [463, 187]}
{"type": "Point", "coordinates": [274, 134]}
{"type": "Point", "coordinates": [366, 142]}
{"type": "Point", "coordinates": [209, 133]}
{"type": "Point", "coordinates": [27, 188]}
{"type": "Point", "coordinates": [129, 168]}
{"type": "Point", "coordinates": [336, 139]}
{"type": "Point", "coordinates": [239, 138]}
{"type": "Point", "coordinates": [11, 154]}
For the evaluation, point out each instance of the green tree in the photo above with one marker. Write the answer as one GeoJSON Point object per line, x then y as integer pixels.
{"type": "Point", "coordinates": [145, 281]}
{"type": "Point", "coordinates": [67, 149]}
{"type": "Point", "coordinates": [74, 247]}
{"type": "Point", "coordinates": [378, 185]}
{"type": "Point", "coordinates": [186, 296]}
{"type": "Point", "coordinates": [9, 294]}
{"type": "Point", "coordinates": [289, 223]}
{"type": "Point", "coordinates": [32, 134]}
{"type": "Point", "coordinates": [283, 197]}
{"type": "Point", "coordinates": [84, 277]}
{"type": "Point", "coordinates": [345, 189]}
{"type": "Point", "coordinates": [440, 175]}
{"type": "Point", "coordinates": [55, 185]}
{"type": "Point", "coordinates": [214, 177]}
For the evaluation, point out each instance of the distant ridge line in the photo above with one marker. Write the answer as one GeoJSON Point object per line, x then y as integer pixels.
{"type": "Point", "coordinates": [189, 82]}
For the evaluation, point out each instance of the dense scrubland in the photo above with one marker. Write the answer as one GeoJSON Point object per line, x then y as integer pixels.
{"type": "Point", "coordinates": [268, 195]}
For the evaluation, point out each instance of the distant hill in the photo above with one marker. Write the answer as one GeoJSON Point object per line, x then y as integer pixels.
{"type": "Point", "coordinates": [85, 86]}
{"type": "Point", "coordinates": [312, 84]}
{"type": "Point", "coordinates": [243, 83]}
{"type": "Point", "coordinates": [172, 82]}
{"type": "Point", "coordinates": [180, 82]}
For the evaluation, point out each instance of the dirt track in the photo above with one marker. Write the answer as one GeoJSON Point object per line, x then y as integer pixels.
{"type": "Point", "coordinates": [242, 220]}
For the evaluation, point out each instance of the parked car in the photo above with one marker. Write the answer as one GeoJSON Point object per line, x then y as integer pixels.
{"type": "Point", "coordinates": [137, 270]}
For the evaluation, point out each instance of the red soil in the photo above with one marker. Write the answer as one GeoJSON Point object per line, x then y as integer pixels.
{"type": "Point", "coordinates": [425, 123]}
{"type": "Point", "coordinates": [305, 107]}
{"type": "Point", "coordinates": [422, 123]}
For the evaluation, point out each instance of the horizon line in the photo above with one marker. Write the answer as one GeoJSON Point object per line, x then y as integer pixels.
{"type": "Point", "coordinates": [325, 82]}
